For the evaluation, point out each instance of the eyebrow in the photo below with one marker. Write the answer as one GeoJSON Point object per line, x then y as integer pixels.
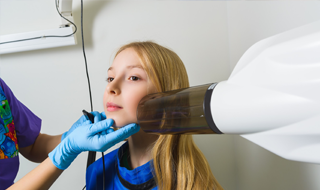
{"type": "Point", "coordinates": [130, 67]}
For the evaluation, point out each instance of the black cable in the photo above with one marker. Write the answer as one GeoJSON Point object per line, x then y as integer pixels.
{"type": "Point", "coordinates": [84, 55]}
{"type": "Point", "coordinates": [103, 175]}
{"type": "Point", "coordinates": [50, 36]}
{"type": "Point", "coordinates": [85, 59]}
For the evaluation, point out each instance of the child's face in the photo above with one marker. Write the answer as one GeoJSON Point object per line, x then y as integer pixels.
{"type": "Point", "coordinates": [127, 84]}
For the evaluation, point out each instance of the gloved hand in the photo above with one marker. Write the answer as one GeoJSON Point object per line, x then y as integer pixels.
{"type": "Point", "coordinates": [97, 117]}
{"type": "Point", "coordinates": [88, 137]}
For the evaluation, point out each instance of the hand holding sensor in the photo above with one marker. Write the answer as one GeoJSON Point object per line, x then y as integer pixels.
{"type": "Point", "coordinates": [93, 117]}
{"type": "Point", "coordinates": [88, 137]}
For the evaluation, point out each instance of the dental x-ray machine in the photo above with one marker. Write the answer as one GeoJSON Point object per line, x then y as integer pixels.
{"type": "Point", "coordinates": [272, 98]}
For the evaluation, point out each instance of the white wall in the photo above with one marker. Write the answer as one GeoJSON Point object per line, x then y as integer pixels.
{"type": "Point", "coordinates": [53, 84]}
{"type": "Point", "coordinates": [249, 22]}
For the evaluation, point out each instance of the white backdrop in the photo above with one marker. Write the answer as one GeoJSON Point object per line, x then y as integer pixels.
{"type": "Point", "coordinates": [208, 36]}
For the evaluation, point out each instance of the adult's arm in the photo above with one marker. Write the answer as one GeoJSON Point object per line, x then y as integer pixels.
{"type": "Point", "coordinates": [44, 144]}
{"type": "Point", "coordinates": [42, 177]}
{"type": "Point", "coordinates": [39, 150]}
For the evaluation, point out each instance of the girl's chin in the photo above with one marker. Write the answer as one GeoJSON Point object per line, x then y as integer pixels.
{"type": "Point", "coordinates": [120, 119]}
{"type": "Point", "coordinates": [120, 124]}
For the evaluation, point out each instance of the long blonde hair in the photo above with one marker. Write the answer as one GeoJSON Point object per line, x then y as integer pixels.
{"type": "Point", "coordinates": [178, 162]}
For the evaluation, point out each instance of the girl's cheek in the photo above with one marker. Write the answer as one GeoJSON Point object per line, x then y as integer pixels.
{"type": "Point", "coordinates": [104, 97]}
{"type": "Point", "coordinates": [134, 101]}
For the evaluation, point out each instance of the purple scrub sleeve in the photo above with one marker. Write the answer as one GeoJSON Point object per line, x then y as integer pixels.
{"type": "Point", "coordinates": [19, 128]}
{"type": "Point", "coordinates": [27, 124]}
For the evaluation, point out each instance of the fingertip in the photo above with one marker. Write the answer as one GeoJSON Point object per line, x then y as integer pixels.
{"type": "Point", "coordinates": [101, 126]}
{"type": "Point", "coordinates": [106, 122]}
{"type": "Point", "coordinates": [94, 113]}
{"type": "Point", "coordinates": [96, 116]}
{"type": "Point", "coordinates": [103, 115]}
{"type": "Point", "coordinates": [131, 128]}
{"type": "Point", "coordinates": [134, 127]}
{"type": "Point", "coordinates": [126, 131]}
{"type": "Point", "coordinates": [109, 121]}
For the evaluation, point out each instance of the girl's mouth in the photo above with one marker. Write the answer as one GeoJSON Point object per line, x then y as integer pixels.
{"type": "Point", "coordinates": [113, 107]}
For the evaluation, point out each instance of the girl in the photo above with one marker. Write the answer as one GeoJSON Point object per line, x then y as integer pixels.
{"type": "Point", "coordinates": [141, 68]}
{"type": "Point", "coordinates": [145, 161]}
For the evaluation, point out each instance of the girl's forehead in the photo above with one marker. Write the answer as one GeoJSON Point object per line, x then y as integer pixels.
{"type": "Point", "coordinates": [126, 58]}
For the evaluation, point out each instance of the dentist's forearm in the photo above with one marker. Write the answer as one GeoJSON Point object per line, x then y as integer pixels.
{"type": "Point", "coordinates": [39, 150]}
{"type": "Point", "coordinates": [42, 177]}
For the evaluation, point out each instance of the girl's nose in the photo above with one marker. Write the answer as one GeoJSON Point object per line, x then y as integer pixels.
{"type": "Point", "coordinates": [113, 88]}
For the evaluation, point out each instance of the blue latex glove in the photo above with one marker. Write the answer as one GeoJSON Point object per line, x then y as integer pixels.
{"type": "Point", "coordinates": [88, 137]}
{"type": "Point", "coordinates": [97, 117]}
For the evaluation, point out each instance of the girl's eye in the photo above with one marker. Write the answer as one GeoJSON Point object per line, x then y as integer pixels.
{"type": "Point", "coordinates": [110, 79]}
{"type": "Point", "coordinates": [134, 78]}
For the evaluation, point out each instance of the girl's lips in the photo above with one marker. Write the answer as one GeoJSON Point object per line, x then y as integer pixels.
{"type": "Point", "coordinates": [113, 107]}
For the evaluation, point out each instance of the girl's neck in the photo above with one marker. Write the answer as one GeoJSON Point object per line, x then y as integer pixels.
{"type": "Point", "coordinates": [140, 146]}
